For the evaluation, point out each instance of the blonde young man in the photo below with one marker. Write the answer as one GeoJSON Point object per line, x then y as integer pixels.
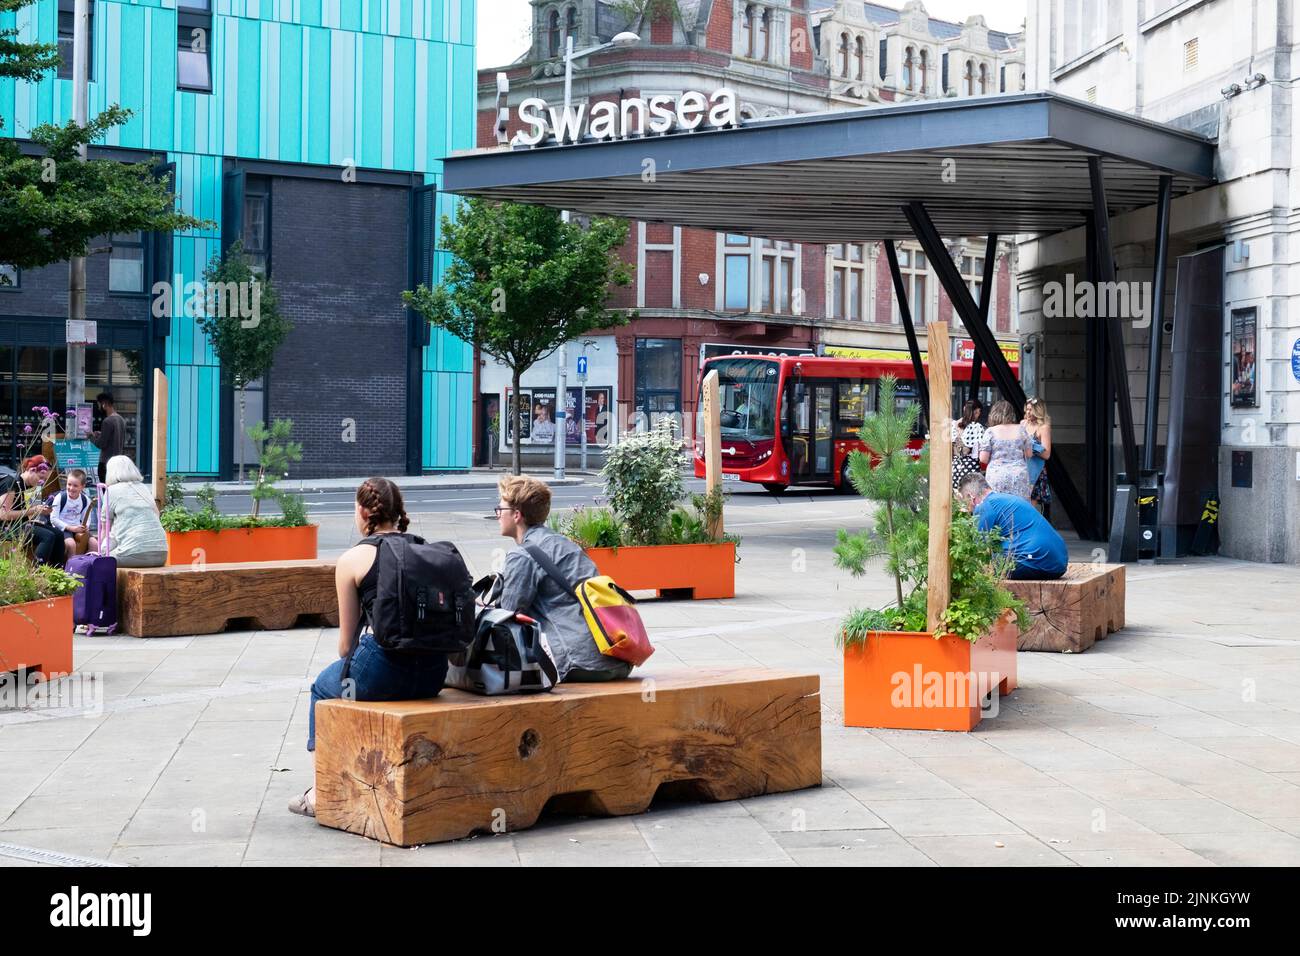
{"type": "Point", "coordinates": [521, 513]}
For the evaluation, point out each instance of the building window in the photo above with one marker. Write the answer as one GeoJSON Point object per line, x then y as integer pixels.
{"type": "Point", "coordinates": [860, 52]}
{"type": "Point", "coordinates": [9, 276]}
{"type": "Point", "coordinates": [126, 263]}
{"type": "Point", "coordinates": [765, 35]}
{"type": "Point", "coordinates": [844, 55]}
{"type": "Point", "coordinates": [972, 271]}
{"type": "Point", "coordinates": [658, 373]}
{"type": "Point", "coordinates": [67, 14]}
{"type": "Point", "coordinates": [256, 237]}
{"type": "Point", "coordinates": [1191, 54]}
{"type": "Point", "coordinates": [571, 23]}
{"type": "Point", "coordinates": [194, 45]}
{"type": "Point", "coordinates": [553, 33]}
{"type": "Point", "coordinates": [915, 272]}
{"type": "Point", "coordinates": [848, 268]}
{"type": "Point", "coordinates": [908, 79]}
{"type": "Point", "coordinates": [984, 78]}
{"type": "Point", "coordinates": [925, 71]}
{"type": "Point", "coordinates": [776, 277]}
{"type": "Point", "coordinates": [968, 78]}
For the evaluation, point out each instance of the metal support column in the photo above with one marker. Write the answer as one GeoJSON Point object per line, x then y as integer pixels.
{"type": "Point", "coordinates": [905, 313]}
{"type": "Point", "coordinates": [1151, 421]}
{"type": "Point", "coordinates": [999, 368]}
{"type": "Point", "coordinates": [1114, 323]}
{"type": "Point", "coordinates": [986, 298]}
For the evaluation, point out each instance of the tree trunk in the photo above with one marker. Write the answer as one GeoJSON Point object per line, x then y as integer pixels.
{"type": "Point", "coordinates": [240, 437]}
{"type": "Point", "coordinates": [513, 428]}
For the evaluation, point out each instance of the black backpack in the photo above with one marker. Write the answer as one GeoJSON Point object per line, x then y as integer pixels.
{"type": "Point", "coordinates": [424, 596]}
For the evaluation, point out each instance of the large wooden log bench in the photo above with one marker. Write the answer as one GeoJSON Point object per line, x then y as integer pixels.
{"type": "Point", "coordinates": [433, 770]}
{"type": "Point", "coordinates": [1073, 612]}
{"type": "Point", "coordinates": [206, 599]}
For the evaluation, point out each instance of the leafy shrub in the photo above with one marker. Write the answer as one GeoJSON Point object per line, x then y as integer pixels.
{"type": "Point", "coordinates": [590, 527]}
{"type": "Point", "coordinates": [23, 580]}
{"type": "Point", "coordinates": [643, 480]}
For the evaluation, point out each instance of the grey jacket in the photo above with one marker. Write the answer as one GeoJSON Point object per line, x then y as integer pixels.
{"type": "Point", "coordinates": [527, 588]}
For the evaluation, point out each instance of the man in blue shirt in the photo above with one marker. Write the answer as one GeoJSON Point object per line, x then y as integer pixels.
{"type": "Point", "coordinates": [1027, 536]}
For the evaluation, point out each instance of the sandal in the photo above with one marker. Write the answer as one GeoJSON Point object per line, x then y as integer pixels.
{"type": "Point", "coordinates": [302, 806]}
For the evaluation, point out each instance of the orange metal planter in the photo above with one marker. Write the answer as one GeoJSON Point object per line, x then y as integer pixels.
{"type": "Point", "coordinates": [706, 570]}
{"type": "Point", "coordinates": [38, 636]}
{"type": "Point", "coordinates": [911, 681]}
{"type": "Point", "coordinates": [237, 545]}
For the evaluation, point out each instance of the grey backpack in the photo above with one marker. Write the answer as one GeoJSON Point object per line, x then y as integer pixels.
{"type": "Point", "coordinates": [508, 654]}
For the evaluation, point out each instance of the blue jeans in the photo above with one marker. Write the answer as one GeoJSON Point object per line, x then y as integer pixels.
{"type": "Point", "coordinates": [377, 674]}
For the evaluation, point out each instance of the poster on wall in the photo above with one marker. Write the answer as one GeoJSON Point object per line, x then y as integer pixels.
{"type": "Point", "coordinates": [597, 416]}
{"type": "Point", "coordinates": [523, 419]}
{"type": "Point", "coordinates": [542, 424]}
{"type": "Point", "coordinates": [1242, 363]}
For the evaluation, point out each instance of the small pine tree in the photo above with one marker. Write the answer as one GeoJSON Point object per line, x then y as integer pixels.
{"type": "Point", "coordinates": [894, 477]}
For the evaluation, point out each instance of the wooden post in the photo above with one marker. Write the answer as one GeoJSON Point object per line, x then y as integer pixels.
{"type": "Point", "coordinates": [940, 471]}
{"type": "Point", "coordinates": [159, 438]}
{"type": "Point", "coordinates": [713, 443]}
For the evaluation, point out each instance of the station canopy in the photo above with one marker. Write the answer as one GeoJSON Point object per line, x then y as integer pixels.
{"type": "Point", "coordinates": [1010, 164]}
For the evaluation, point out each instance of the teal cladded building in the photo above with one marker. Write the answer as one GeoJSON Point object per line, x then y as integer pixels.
{"type": "Point", "coordinates": [313, 132]}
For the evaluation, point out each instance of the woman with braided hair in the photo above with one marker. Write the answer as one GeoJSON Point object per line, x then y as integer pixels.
{"type": "Point", "coordinates": [364, 670]}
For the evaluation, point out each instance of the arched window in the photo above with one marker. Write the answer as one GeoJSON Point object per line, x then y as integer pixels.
{"type": "Point", "coordinates": [571, 24]}
{"type": "Point", "coordinates": [908, 79]}
{"type": "Point", "coordinates": [765, 35]}
{"type": "Point", "coordinates": [968, 78]}
{"type": "Point", "coordinates": [747, 31]}
{"type": "Point", "coordinates": [553, 33]}
{"type": "Point", "coordinates": [844, 55]}
{"type": "Point", "coordinates": [860, 52]}
{"type": "Point", "coordinates": [984, 78]}
{"type": "Point", "coordinates": [925, 70]}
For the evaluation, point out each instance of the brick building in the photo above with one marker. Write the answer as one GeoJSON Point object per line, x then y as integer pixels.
{"type": "Point", "coordinates": [701, 293]}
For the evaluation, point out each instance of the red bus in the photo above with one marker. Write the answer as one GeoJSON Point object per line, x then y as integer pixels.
{"type": "Point", "coordinates": [794, 420]}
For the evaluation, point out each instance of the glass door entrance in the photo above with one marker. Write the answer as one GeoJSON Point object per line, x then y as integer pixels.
{"type": "Point", "coordinates": [807, 431]}
{"type": "Point", "coordinates": [36, 375]}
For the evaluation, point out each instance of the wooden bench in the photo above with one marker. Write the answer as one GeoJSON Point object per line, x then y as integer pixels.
{"type": "Point", "coordinates": [205, 599]}
{"type": "Point", "coordinates": [427, 771]}
{"type": "Point", "coordinates": [1071, 613]}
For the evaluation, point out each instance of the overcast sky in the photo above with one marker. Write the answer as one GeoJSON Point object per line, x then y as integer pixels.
{"type": "Point", "coordinates": [503, 25]}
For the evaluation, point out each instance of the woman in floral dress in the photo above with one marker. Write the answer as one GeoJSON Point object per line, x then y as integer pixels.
{"type": "Point", "coordinates": [1005, 449]}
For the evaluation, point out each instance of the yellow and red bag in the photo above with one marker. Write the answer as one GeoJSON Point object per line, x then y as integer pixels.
{"type": "Point", "coordinates": [615, 624]}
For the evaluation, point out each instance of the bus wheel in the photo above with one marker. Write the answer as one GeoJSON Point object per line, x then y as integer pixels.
{"type": "Point", "coordinates": [846, 486]}
{"type": "Point", "coordinates": [774, 487]}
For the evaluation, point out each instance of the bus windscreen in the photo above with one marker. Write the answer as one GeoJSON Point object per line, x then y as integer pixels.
{"type": "Point", "coordinates": [747, 393]}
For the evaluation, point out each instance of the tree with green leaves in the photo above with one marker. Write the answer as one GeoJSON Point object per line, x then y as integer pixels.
{"type": "Point", "coordinates": [53, 204]}
{"type": "Point", "coordinates": [241, 317]}
{"type": "Point", "coordinates": [522, 282]}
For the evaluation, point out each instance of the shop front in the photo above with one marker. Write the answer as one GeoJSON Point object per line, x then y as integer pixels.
{"type": "Point", "coordinates": [34, 373]}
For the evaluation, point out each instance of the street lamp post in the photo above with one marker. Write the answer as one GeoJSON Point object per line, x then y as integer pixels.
{"type": "Point", "coordinates": [562, 353]}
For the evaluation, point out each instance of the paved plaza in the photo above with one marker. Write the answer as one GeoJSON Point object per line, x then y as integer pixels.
{"type": "Point", "coordinates": [1173, 742]}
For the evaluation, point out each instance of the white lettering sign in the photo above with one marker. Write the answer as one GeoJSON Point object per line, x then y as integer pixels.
{"type": "Point", "coordinates": [629, 117]}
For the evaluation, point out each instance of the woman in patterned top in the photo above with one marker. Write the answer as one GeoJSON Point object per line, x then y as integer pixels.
{"type": "Point", "coordinates": [1005, 449]}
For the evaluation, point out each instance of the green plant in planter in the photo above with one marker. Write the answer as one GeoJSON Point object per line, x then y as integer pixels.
{"type": "Point", "coordinates": [643, 481]}
{"type": "Point", "coordinates": [23, 580]}
{"type": "Point", "coordinates": [590, 527]}
{"type": "Point", "coordinates": [899, 486]}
